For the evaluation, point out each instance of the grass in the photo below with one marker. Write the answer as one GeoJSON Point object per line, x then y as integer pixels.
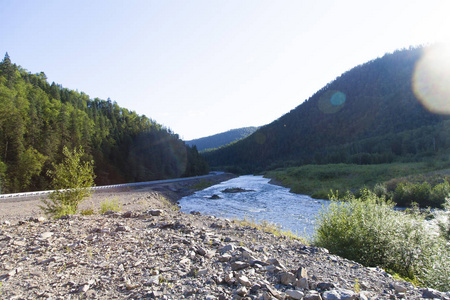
{"type": "Point", "coordinates": [110, 205]}
{"type": "Point", "coordinates": [87, 212]}
{"type": "Point", "coordinates": [318, 180]}
{"type": "Point", "coordinates": [166, 202]}
{"type": "Point", "coordinates": [202, 185]}
{"type": "Point", "coordinates": [270, 228]}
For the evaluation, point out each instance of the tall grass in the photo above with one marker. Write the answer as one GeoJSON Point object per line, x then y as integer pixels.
{"type": "Point", "coordinates": [368, 230]}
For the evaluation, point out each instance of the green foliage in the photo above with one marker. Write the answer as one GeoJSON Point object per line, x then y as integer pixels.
{"type": "Point", "coordinates": [110, 205]}
{"type": "Point", "coordinates": [38, 119]}
{"type": "Point", "coordinates": [370, 231]}
{"type": "Point", "coordinates": [423, 193]}
{"type": "Point", "coordinates": [30, 164]}
{"type": "Point", "coordinates": [71, 181]}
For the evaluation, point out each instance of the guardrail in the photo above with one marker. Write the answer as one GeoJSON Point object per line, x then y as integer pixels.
{"type": "Point", "coordinates": [134, 184]}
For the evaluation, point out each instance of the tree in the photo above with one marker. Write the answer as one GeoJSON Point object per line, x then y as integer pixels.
{"type": "Point", "coordinates": [71, 180]}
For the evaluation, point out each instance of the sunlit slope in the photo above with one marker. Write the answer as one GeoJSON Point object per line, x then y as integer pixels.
{"type": "Point", "coordinates": [221, 139]}
{"type": "Point", "coordinates": [370, 114]}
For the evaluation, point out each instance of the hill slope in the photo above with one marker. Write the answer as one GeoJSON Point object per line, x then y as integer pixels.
{"type": "Point", "coordinates": [38, 119]}
{"type": "Point", "coordinates": [221, 139]}
{"type": "Point", "coordinates": [369, 114]}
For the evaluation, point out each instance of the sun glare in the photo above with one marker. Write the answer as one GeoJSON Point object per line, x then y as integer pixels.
{"type": "Point", "coordinates": [431, 79]}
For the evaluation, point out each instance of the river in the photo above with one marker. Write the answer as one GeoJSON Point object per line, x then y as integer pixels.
{"type": "Point", "coordinates": [262, 201]}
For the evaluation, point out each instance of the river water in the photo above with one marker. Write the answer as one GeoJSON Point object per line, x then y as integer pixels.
{"type": "Point", "coordinates": [266, 201]}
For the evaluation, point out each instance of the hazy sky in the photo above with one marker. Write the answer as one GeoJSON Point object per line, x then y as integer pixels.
{"type": "Point", "coordinates": [204, 67]}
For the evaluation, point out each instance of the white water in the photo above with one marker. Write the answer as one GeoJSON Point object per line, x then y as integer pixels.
{"type": "Point", "coordinates": [267, 202]}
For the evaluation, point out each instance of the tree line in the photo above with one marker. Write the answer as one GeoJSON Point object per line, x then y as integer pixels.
{"type": "Point", "coordinates": [39, 119]}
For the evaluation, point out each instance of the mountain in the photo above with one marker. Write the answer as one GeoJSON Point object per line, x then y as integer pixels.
{"type": "Point", "coordinates": [369, 114]}
{"type": "Point", "coordinates": [38, 119]}
{"type": "Point", "coordinates": [221, 139]}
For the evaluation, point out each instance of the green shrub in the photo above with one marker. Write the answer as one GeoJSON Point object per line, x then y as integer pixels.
{"type": "Point", "coordinates": [406, 194]}
{"type": "Point", "coordinates": [369, 230]}
{"type": "Point", "coordinates": [72, 180]}
{"type": "Point", "coordinates": [380, 190]}
{"type": "Point", "coordinates": [439, 193]}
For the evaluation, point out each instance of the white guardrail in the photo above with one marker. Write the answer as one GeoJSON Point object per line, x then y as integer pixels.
{"type": "Point", "coordinates": [134, 184]}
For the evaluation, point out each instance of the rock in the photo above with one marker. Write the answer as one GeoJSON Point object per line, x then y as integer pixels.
{"type": "Point", "coordinates": [268, 296]}
{"type": "Point", "coordinates": [127, 214]}
{"type": "Point", "coordinates": [294, 294]}
{"type": "Point", "coordinates": [287, 278]}
{"type": "Point", "coordinates": [155, 212]}
{"type": "Point", "coordinates": [239, 265]}
{"type": "Point", "coordinates": [429, 293]}
{"type": "Point", "coordinates": [325, 286]}
{"type": "Point", "coordinates": [202, 272]}
{"type": "Point", "coordinates": [399, 288]}
{"type": "Point", "coordinates": [214, 197]}
{"type": "Point", "coordinates": [242, 291]}
{"type": "Point", "coordinates": [228, 277]}
{"type": "Point", "coordinates": [302, 283]}
{"type": "Point", "coordinates": [131, 286]}
{"type": "Point", "coordinates": [201, 251]}
{"type": "Point", "coordinates": [225, 257]}
{"type": "Point", "coordinates": [302, 273]}
{"type": "Point", "coordinates": [83, 288]}
{"type": "Point", "coordinates": [244, 281]}
{"type": "Point", "coordinates": [235, 190]}
{"type": "Point", "coordinates": [227, 248]}
{"type": "Point", "coordinates": [312, 295]}
{"type": "Point", "coordinates": [123, 228]}
{"type": "Point", "coordinates": [153, 280]}
{"type": "Point", "coordinates": [339, 294]}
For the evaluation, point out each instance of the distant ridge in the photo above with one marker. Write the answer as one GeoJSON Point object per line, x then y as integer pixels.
{"type": "Point", "coordinates": [221, 139]}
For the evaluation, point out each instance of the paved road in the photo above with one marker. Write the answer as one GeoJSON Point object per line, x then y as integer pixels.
{"type": "Point", "coordinates": [17, 197]}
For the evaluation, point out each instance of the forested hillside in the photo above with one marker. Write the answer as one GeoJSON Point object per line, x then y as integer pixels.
{"type": "Point", "coordinates": [367, 115]}
{"type": "Point", "coordinates": [221, 139]}
{"type": "Point", "coordinates": [37, 119]}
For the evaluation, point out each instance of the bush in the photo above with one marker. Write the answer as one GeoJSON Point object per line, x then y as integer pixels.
{"type": "Point", "coordinates": [407, 194]}
{"type": "Point", "coordinates": [369, 230]}
{"type": "Point", "coordinates": [72, 181]}
{"type": "Point", "coordinates": [439, 194]}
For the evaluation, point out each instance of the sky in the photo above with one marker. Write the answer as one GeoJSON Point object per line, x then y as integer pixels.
{"type": "Point", "coordinates": [202, 67]}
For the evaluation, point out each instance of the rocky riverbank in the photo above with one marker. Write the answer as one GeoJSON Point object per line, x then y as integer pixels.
{"type": "Point", "coordinates": [153, 251]}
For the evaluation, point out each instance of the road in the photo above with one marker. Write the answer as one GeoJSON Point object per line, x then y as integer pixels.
{"type": "Point", "coordinates": [17, 197]}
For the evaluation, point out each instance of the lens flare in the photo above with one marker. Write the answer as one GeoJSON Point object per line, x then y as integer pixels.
{"type": "Point", "coordinates": [431, 79]}
{"type": "Point", "coordinates": [331, 102]}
